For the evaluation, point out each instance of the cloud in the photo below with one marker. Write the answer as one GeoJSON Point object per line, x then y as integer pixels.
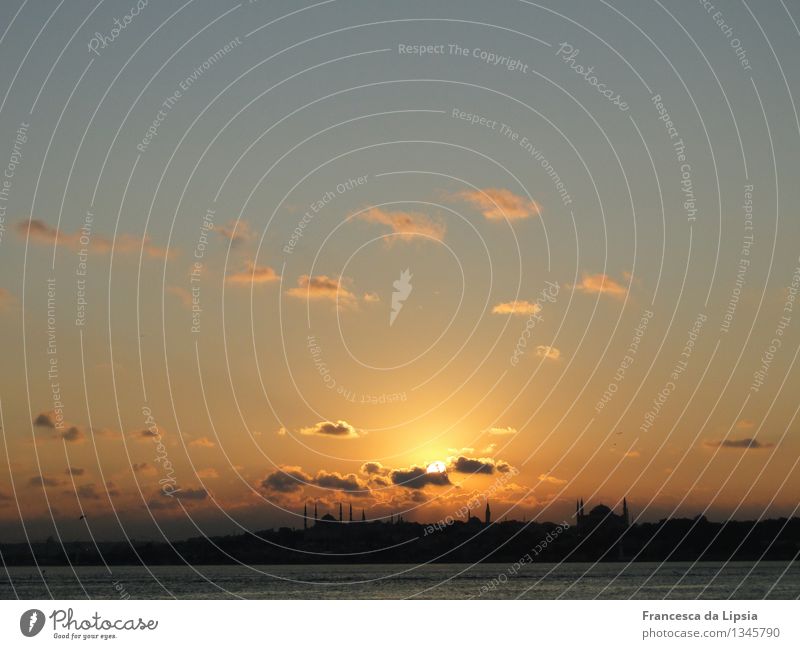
{"type": "Point", "coordinates": [143, 467]}
{"type": "Point", "coordinates": [600, 283]}
{"type": "Point", "coordinates": [253, 274]}
{"type": "Point", "coordinates": [546, 351]}
{"type": "Point", "coordinates": [746, 443]}
{"type": "Point", "coordinates": [286, 479]}
{"type": "Point", "coordinates": [191, 494]}
{"type": "Point", "coordinates": [236, 232]}
{"type": "Point", "coordinates": [374, 468]}
{"type": "Point", "coordinates": [516, 307]}
{"type": "Point", "coordinates": [182, 294]}
{"type": "Point", "coordinates": [145, 433]}
{"type": "Point", "coordinates": [7, 299]}
{"type": "Point", "coordinates": [208, 473]}
{"type": "Point", "coordinates": [202, 442]}
{"type": "Point", "coordinates": [290, 479]}
{"type": "Point", "coordinates": [41, 233]}
{"type": "Point", "coordinates": [496, 204]}
{"type": "Point", "coordinates": [88, 491]}
{"type": "Point", "coordinates": [322, 287]}
{"type": "Point", "coordinates": [334, 480]}
{"type": "Point", "coordinates": [632, 454]}
{"type": "Point", "coordinates": [416, 477]}
{"type": "Point", "coordinates": [369, 297]}
{"type": "Point", "coordinates": [73, 434]}
{"type": "Point", "coordinates": [508, 430]}
{"type": "Point", "coordinates": [551, 479]}
{"type": "Point", "coordinates": [745, 423]}
{"type": "Point", "coordinates": [74, 471]}
{"type": "Point", "coordinates": [406, 225]}
{"type": "Point", "coordinates": [340, 429]}
{"type": "Point", "coordinates": [43, 481]}
{"type": "Point", "coordinates": [45, 420]}
{"type": "Point", "coordinates": [487, 465]}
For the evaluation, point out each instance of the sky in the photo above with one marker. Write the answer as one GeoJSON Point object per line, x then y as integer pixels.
{"type": "Point", "coordinates": [260, 255]}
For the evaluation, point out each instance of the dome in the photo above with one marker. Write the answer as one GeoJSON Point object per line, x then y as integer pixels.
{"type": "Point", "coordinates": [328, 518]}
{"type": "Point", "coordinates": [600, 510]}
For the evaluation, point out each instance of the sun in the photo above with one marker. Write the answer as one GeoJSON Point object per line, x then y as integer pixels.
{"type": "Point", "coordinates": [436, 467]}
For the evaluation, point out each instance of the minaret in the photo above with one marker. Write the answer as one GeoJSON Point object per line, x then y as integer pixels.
{"type": "Point", "coordinates": [363, 516]}
{"type": "Point", "coordinates": [625, 514]}
{"type": "Point", "coordinates": [351, 512]}
{"type": "Point", "coordinates": [340, 512]}
{"type": "Point", "coordinates": [305, 516]}
{"type": "Point", "coordinates": [581, 506]}
{"type": "Point", "coordinates": [488, 518]}
{"type": "Point", "coordinates": [315, 512]}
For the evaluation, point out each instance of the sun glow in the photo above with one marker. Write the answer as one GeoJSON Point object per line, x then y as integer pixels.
{"type": "Point", "coordinates": [437, 467]}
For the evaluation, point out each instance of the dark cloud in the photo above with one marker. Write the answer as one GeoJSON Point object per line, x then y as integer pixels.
{"type": "Point", "coordinates": [88, 491]}
{"type": "Point", "coordinates": [43, 481]}
{"type": "Point", "coordinates": [286, 480]}
{"type": "Point", "coordinates": [73, 434]}
{"type": "Point", "coordinates": [747, 443]}
{"type": "Point", "coordinates": [74, 471]}
{"type": "Point", "coordinates": [140, 466]}
{"type": "Point", "coordinates": [191, 494]}
{"type": "Point", "coordinates": [339, 429]}
{"type": "Point", "coordinates": [374, 468]}
{"type": "Point", "coordinates": [45, 420]}
{"type": "Point", "coordinates": [416, 477]}
{"type": "Point", "coordinates": [349, 482]}
{"type": "Point", "coordinates": [487, 465]}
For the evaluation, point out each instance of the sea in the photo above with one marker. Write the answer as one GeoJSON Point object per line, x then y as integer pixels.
{"type": "Point", "coordinates": [706, 580]}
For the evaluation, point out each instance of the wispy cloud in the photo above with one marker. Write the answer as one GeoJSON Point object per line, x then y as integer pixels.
{"type": "Point", "coordinates": [508, 430]}
{"type": "Point", "coordinates": [322, 287]}
{"type": "Point", "coordinates": [236, 232]}
{"type": "Point", "coordinates": [551, 479]}
{"type": "Point", "coordinates": [516, 307]}
{"type": "Point", "coordinates": [253, 274]}
{"type": "Point", "coordinates": [549, 352]}
{"type": "Point", "coordinates": [498, 204]}
{"type": "Point", "coordinates": [41, 233]}
{"type": "Point", "coordinates": [406, 225]}
{"type": "Point", "coordinates": [602, 284]}
{"type": "Point", "coordinates": [745, 443]}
